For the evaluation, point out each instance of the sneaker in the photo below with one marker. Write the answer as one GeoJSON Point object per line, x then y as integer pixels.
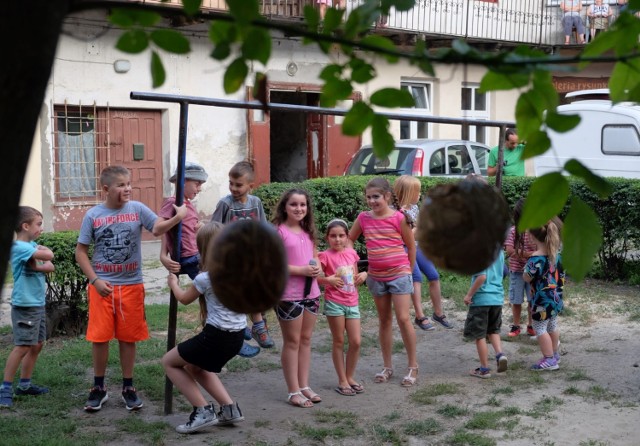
{"type": "Point", "coordinates": [481, 372]}
{"type": "Point", "coordinates": [32, 390]}
{"type": "Point", "coordinates": [229, 414]}
{"type": "Point", "coordinates": [515, 331]}
{"type": "Point", "coordinates": [503, 362]}
{"type": "Point", "coordinates": [199, 419]}
{"type": "Point", "coordinates": [556, 356]}
{"type": "Point", "coordinates": [247, 334]}
{"type": "Point", "coordinates": [97, 396]}
{"type": "Point", "coordinates": [531, 331]}
{"type": "Point", "coordinates": [424, 324]}
{"type": "Point", "coordinates": [130, 398]}
{"type": "Point", "coordinates": [545, 364]}
{"type": "Point", "coordinates": [261, 335]}
{"type": "Point", "coordinates": [442, 320]}
{"type": "Point", "coordinates": [6, 397]}
{"type": "Point", "coordinates": [248, 351]}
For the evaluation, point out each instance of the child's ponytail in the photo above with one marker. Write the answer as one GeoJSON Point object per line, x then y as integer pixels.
{"type": "Point", "coordinates": [549, 234]}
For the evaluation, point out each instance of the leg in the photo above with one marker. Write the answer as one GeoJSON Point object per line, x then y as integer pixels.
{"type": "Point", "coordinates": [516, 309]}
{"type": "Point", "coordinates": [483, 352]}
{"type": "Point", "coordinates": [436, 297]}
{"type": "Point", "coordinates": [13, 361]}
{"type": "Point", "coordinates": [304, 355]}
{"type": "Point", "coordinates": [211, 383]}
{"type": "Point", "coordinates": [353, 351]}
{"type": "Point", "coordinates": [385, 334]}
{"type": "Point", "coordinates": [291, 332]}
{"type": "Point", "coordinates": [337, 327]}
{"type": "Point", "coordinates": [127, 358]}
{"type": "Point", "coordinates": [176, 369]}
{"type": "Point", "coordinates": [29, 361]}
{"type": "Point", "coordinates": [401, 307]}
{"type": "Point", "coordinates": [100, 351]}
{"type": "Point", "coordinates": [416, 299]}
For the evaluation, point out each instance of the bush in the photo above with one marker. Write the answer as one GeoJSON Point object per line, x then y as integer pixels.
{"type": "Point", "coordinates": [66, 299]}
{"type": "Point", "coordinates": [619, 215]}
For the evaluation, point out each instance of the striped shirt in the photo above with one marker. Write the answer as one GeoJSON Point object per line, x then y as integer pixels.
{"type": "Point", "coordinates": [385, 247]}
{"type": "Point", "coordinates": [516, 263]}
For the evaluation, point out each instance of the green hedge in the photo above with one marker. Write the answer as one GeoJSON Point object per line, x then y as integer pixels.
{"type": "Point", "coordinates": [66, 298]}
{"type": "Point", "coordinates": [343, 197]}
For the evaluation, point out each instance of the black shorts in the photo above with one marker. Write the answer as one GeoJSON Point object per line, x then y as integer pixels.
{"type": "Point", "coordinates": [482, 321]}
{"type": "Point", "coordinates": [289, 310]}
{"type": "Point", "coordinates": [212, 348]}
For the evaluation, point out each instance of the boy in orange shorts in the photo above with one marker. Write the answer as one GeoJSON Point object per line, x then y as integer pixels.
{"type": "Point", "coordinates": [116, 290]}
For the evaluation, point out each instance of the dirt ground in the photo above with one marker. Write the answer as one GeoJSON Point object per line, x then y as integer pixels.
{"type": "Point", "coordinates": [593, 399]}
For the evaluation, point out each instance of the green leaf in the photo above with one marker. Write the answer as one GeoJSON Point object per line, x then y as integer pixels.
{"type": "Point", "coordinates": [392, 98]}
{"type": "Point", "coordinates": [171, 41]}
{"type": "Point", "coordinates": [382, 140]}
{"type": "Point", "coordinates": [332, 71]}
{"type": "Point", "coordinates": [595, 182]}
{"type": "Point", "coordinates": [221, 51]}
{"type": "Point", "coordinates": [503, 81]}
{"type": "Point", "coordinates": [581, 239]}
{"type": "Point", "coordinates": [244, 11]}
{"type": "Point", "coordinates": [191, 7]}
{"type": "Point", "coordinates": [134, 41]}
{"type": "Point", "coordinates": [422, 58]}
{"type": "Point", "coordinates": [158, 75]}
{"type": "Point", "coordinates": [257, 45]}
{"type": "Point", "coordinates": [332, 20]}
{"type": "Point", "coordinates": [235, 75]}
{"type": "Point", "coordinates": [220, 31]}
{"type": "Point", "coordinates": [538, 142]}
{"type": "Point", "coordinates": [625, 77]}
{"type": "Point", "coordinates": [312, 19]}
{"type": "Point", "coordinates": [122, 17]}
{"type": "Point", "coordinates": [361, 71]}
{"type": "Point", "coordinates": [546, 198]}
{"type": "Point", "coordinates": [528, 115]}
{"type": "Point", "coordinates": [383, 43]}
{"type": "Point", "coordinates": [400, 5]}
{"type": "Point", "coordinates": [335, 90]}
{"type": "Point", "coordinates": [561, 123]}
{"type": "Point", "coordinates": [357, 119]}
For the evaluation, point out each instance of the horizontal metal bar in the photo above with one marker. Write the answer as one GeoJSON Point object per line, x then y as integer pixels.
{"type": "Point", "coordinates": [272, 106]}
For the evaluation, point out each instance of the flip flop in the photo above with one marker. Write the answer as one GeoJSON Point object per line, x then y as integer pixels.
{"type": "Point", "coordinates": [345, 391]}
{"type": "Point", "coordinates": [357, 388]}
{"type": "Point", "coordinates": [311, 395]}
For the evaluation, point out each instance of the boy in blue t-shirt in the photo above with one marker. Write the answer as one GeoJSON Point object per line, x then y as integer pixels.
{"type": "Point", "coordinates": [484, 319]}
{"type": "Point", "coordinates": [29, 262]}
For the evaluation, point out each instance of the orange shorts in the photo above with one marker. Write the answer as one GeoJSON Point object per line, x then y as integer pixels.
{"type": "Point", "coordinates": [120, 315]}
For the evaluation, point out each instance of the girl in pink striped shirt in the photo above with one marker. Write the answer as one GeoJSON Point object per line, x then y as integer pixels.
{"type": "Point", "coordinates": [387, 232]}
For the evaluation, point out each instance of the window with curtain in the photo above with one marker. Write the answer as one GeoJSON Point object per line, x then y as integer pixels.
{"type": "Point", "coordinates": [421, 93]}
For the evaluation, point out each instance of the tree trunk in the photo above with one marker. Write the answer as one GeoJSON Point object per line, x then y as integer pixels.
{"type": "Point", "coordinates": [30, 32]}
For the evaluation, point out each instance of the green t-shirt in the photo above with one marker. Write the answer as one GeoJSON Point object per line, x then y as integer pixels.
{"type": "Point", "coordinates": [513, 162]}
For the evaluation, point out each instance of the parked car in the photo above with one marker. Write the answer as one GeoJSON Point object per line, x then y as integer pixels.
{"type": "Point", "coordinates": [423, 157]}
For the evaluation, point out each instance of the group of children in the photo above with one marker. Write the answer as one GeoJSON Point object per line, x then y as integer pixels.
{"type": "Point", "coordinates": [116, 291]}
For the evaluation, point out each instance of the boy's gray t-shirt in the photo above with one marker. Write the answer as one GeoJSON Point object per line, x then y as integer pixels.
{"type": "Point", "coordinates": [116, 235]}
{"type": "Point", "coordinates": [229, 210]}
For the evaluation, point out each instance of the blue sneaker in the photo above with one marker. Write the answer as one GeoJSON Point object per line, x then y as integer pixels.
{"type": "Point", "coordinates": [545, 364]}
{"type": "Point", "coordinates": [248, 351]}
{"type": "Point", "coordinates": [262, 337]}
{"type": "Point", "coordinates": [247, 334]}
{"type": "Point", "coordinates": [32, 390]}
{"type": "Point", "coordinates": [6, 397]}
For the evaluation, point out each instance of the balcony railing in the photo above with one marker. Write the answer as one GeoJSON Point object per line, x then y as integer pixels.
{"type": "Point", "coordinates": [533, 22]}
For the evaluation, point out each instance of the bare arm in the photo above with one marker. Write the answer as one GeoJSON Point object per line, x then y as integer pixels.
{"type": "Point", "coordinates": [492, 171]}
{"type": "Point", "coordinates": [475, 286]}
{"type": "Point", "coordinates": [355, 231]}
{"type": "Point", "coordinates": [82, 257]}
{"type": "Point", "coordinates": [162, 225]}
{"type": "Point", "coordinates": [185, 297]}
{"type": "Point", "coordinates": [165, 257]}
{"type": "Point", "coordinates": [409, 242]}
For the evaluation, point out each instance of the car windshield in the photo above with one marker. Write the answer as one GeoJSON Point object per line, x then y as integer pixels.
{"type": "Point", "coordinates": [399, 161]}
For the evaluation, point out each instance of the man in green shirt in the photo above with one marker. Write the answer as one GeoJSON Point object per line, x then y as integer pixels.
{"type": "Point", "coordinates": [513, 164]}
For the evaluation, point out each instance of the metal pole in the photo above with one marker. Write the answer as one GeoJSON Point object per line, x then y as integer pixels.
{"type": "Point", "coordinates": [177, 230]}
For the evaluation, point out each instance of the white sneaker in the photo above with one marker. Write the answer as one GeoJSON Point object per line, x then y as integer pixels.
{"type": "Point", "coordinates": [229, 414]}
{"type": "Point", "coordinates": [199, 419]}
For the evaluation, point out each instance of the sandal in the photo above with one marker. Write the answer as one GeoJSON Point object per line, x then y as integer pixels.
{"type": "Point", "coordinates": [410, 380]}
{"type": "Point", "coordinates": [384, 376]}
{"type": "Point", "coordinates": [311, 395]}
{"type": "Point", "coordinates": [358, 388]}
{"type": "Point", "coordinates": [303, 401]}
{"type": "Point", "coordinates": [345, 391]}
{"type": "Point", "coordinates": [424, 323]}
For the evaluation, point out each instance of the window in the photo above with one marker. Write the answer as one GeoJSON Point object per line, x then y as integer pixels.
{"type": "Point", "coordinates": [421, 93]}
{"type": "Point", "coordinates": [474, 105]}
{"type": "Point", "coordinates": [482, 156]}
{"type": "Point", "coordinates": [76, 141]}
{"type": "Point", "coordinates": [620, 140]}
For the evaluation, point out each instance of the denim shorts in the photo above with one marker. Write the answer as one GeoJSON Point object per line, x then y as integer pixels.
{"type": "Point", "coordinates": [401, 285]}
{"type": "Point", "coordinates": [518, 288]}
{"type": "Point", "coordinates": [29, 325]}
{"type": "Point", "coordinates": [336, 309]}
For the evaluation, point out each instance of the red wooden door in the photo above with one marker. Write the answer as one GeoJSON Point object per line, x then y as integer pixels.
{"type": "Point", "coordinates": [340, 148]}
{"type": "Point", "coordinates": [258, 143]}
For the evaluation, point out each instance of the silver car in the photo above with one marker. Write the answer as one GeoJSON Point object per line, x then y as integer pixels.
{"type": "Point", "coordinates": [423, 157]}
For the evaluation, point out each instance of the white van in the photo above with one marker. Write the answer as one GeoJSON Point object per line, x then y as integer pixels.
{"type": "Point", "coordinates": [607, 140]}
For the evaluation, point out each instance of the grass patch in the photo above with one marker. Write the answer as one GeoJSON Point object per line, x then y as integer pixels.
{"type": "Point", "coordinates": [508, 390]}
{"type": "Point", "coordinates": [265, 365]}
{"type": "Point", "coordinates": [425, 395]}
{"type": "Point", "coordinates": [484, 420]}
{"type": "Point", "coordinates": [572, 390]}
{"type": "Point", "coordinates": [386, 435]}
{"type": "Point", "coordinates": [262, 423]}
{"type": "Point", "coordinates": [493, 401]}
{"type": "Point", "coordinates": [341, 423]}
{"type": "Point", "coordinates": [544, 407]}
{"type": "Point", "coordinates": [463, 438]}
{"type": "Point", "coordinates": [422, 427]}
{"type": "Point", "coordinates": [398, 347]}
{"type": "Point", "coordinates": [451, 411]}
{"type": "Point", "coordinates": [238, 364]}
{"type": "Point", "coordinates": [578, 375]}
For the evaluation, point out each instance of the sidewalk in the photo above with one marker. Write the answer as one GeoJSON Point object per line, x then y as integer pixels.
{"type": "Point", "coordinates": [153, 273]}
